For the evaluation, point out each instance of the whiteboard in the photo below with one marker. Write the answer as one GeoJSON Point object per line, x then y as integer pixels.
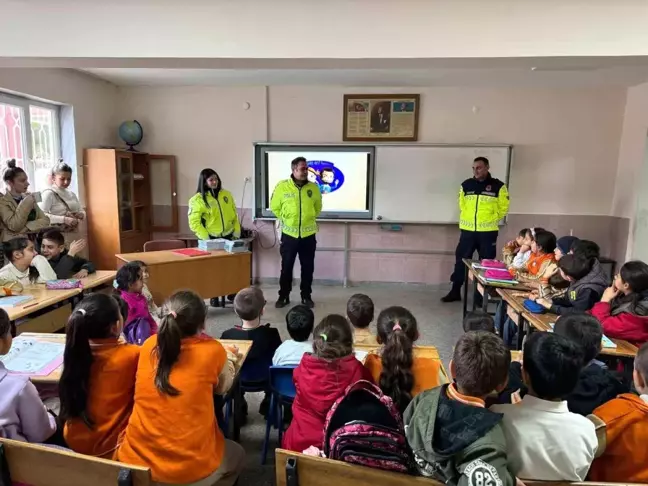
{"type": "Point", "coordinates": [421, 183]}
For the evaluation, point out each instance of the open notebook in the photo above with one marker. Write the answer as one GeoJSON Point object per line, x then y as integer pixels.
{"type": "Point", "coordinates": [33, 357]}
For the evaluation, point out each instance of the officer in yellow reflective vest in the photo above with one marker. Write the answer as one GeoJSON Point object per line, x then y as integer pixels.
{"type": "Point", "coordinates": [297, 203]}
{"type": "Point", "coordinates": [483, 202]}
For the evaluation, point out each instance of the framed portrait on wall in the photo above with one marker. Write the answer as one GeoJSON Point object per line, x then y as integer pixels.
{"type": "Point", "coordinates": [376, 117]}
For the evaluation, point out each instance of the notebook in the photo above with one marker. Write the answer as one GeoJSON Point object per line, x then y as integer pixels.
{"type": "Point", "coordinates": [33, 357]}
{"type": "Point", "coordinates": [14, 301]}
{"type": "Point", "coordinates": [191, 252]}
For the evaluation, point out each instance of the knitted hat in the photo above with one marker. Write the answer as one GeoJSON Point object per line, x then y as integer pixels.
{"type": "Point", "coordinates": [566, 243]}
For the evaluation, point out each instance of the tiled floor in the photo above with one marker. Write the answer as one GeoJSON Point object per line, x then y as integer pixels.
{"type": "Point", "coordinates": [439, 325]}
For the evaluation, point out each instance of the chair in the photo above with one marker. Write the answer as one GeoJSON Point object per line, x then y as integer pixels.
{"type": "Point", "coordinates": [159, 245]}
{"type": "Point", "coordinates": [282, 389]}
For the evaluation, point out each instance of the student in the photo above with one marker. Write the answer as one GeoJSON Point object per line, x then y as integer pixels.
{"type": "Point", "coordinates": [545, 440]}
{"type": "Point", "coordinates": [623, 309]}
{"type": "Point", "coordinates": [249, 304]}
{"type": "Point", "coordinates": [66, 263]}
{"type": "Point", "coordinates": [564, 246]}
{"type": "Point", "coordinates": [585, 287]}
{"type": "Point", "coordinates": [299, 321]}
{"type": "Point", "coordinates": [454, 438]}
{"type": "Point", "coordinates": [478, 321]}
{"type": "Point", "coordinates": [360, 312]}
{"type": "Point", "coordinates": [98, 379]}
{"type": "Point", "coordinates": [129, 283]}
{"type": "Point", "coordinates": [173, 428]}
{"type": "Point", "coordinates": [155, 311]}
{"type": "Point", "coordinates": [542, 256]}
{"type": "Point", "coordinates": [19, 211]}
{"type": "Point", "coordinates": [25, 265]}
{"type": "Point", "coordinates": [320, 379]}
{"type": "Point", "coordinates": [513, 247]}
{"type": "Point", "coordinates": [596, 384]}
{"type": "Point", "coordinates": [22, 414]}
{"type": "Point", "coordinates": [522, 257]}
{"type": "Point", "coordinates": [623, 422]}
{"type": "Point", "coordinates": [398, 373]}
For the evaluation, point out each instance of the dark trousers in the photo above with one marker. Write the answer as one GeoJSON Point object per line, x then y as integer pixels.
{"type": "Point", "coordinates": [289, 249]}
{"type": "Point", "coordinates": [484, 242]}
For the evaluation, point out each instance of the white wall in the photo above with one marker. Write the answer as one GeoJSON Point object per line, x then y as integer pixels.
{"type": "Point", "coordinates": [322, 29]}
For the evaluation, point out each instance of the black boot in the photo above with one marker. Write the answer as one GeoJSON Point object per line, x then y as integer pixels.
{"type": "Point", "coordinates": [282, 302]}
{"type": "Point", "coordinates": [454, 295]}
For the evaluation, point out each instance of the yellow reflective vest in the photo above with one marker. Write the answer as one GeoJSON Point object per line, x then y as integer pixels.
{"type": "Point", "coordinates": [296, 207]}
{"type": "Point", "coordinates": [482, 204]}
{"type": "Point", "coordinates": [215, 218]}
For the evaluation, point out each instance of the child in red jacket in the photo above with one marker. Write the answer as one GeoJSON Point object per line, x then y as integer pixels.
{"type": "Point", "coordinates": [320, 379]}
{"type": "Point", "coordinates": [623, 310]}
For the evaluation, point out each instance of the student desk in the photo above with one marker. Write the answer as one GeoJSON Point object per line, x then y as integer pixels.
{"type": "Point", "coordinates": [486, 289]}
{"type": "Point", "coordinates": [50, 321]}
{"type": "Point", "coordinates": [213, 275]}
{"type": "Point", "coordinates": [100, 278]}
{"type": "Point", "coordinates": [419, 352]}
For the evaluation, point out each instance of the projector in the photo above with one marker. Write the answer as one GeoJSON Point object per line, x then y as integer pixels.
{"type": "Point", "coordinates": [236, 246]}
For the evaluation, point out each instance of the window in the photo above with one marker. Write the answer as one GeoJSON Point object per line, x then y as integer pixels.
{"type": "Point", "coordinates": [29, 133]}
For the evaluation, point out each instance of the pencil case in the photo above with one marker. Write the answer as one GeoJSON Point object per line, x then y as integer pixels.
{"type": "Point", "coordinates": [498, 274]}
{"type": "Point", "coordinates": [493, 264]}
{"type": "Point", "coordinates": [70, 283]}
{"type": "Point", "coordinates": [533, 307]}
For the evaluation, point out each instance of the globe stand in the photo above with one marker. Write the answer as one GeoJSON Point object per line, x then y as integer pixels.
{"type": "Point", "coordinates": [131, 149]}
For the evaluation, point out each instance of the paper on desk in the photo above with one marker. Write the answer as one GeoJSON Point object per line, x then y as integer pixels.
{"type": "Point", "coordinates": [33, 357]}
{"type": "Point", "coordinates": [361, 356]}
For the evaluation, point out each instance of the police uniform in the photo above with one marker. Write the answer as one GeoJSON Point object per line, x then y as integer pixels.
{"type": "Point", "coordinates": [482, 204]}
{"type": "Point", "coordinates": [214, 217]}
{"type": "Point", "coordinates": [297, 207]}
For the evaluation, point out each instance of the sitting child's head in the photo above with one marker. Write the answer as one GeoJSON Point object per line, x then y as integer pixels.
{"type": "Point", "coordinates": [249, 304]}
{"type": "Point", "coordinates": [557, 281]}
{"type": "Point", "coordinates": [144, 267]}
{"type": "Point", "coordinates": [360, 311]}
{"type": "Point", "coordinates": [551, 365]}
{"type": "Point", "coordinates": [332, 338]}
{"type": "Point", "coordinates": [521, 238]}
{"type": "Point", "coordinates": [129, 278]}
{"type": "Point", "coordinates": [544, 242]}
{"type": "Point", "coordinates": [53, 244]}
{"type": "Point", "coordinates": [564, 246]}
{"type": "Point", "coordinates": [97, 316]}
{"type": "Point", "coordinates": [586, 248]}
{"type": "Point", "coordinates": [5, 332]}
{"type": "Point", "coordinates": [584, 330]}
{"type": "Point", "coordinates": [632, 278]}
{"type": "Point", "coordinates": [300, 321]}
{"type": "Point", "coordinates": [185, 314]}
{"type": "Point", "coordinates": [480, 364]}
{"type": "Point", "coordinates": [478, 320]}
{"type": "Point", "coordinates": [640, 373]}
{"type": "Point", "coordinates": [20, 252]}
{"type": "Point", "coordinates": [574, 267]}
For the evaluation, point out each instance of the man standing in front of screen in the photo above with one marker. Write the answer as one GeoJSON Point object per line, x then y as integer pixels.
{"type": "Point", "coordinates": [297, 203]}
{"type": "Point", "coordinates": [483, 202]}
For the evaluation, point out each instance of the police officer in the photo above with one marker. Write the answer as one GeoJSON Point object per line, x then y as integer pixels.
{"type": "Point", "coordinates": [296, 203]}
{"type": "Point", "coordinates": [483, 202]}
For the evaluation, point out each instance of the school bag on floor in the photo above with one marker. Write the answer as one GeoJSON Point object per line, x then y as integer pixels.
{"type": "Point", "coordinates": [364, 427]}
{"type": "Point", "coordinates": [137, 331]}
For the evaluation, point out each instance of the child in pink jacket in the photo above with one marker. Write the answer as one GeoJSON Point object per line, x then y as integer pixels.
{"type": "Point", "coordinates": [129, 283]}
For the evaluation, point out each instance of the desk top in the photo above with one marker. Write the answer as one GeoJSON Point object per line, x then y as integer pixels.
{"type": "Point", "coordinates": [542, 322]}
{"type": "Point", "coordinates": [100, 277]}
{"type": "Point", "coordinates": [479, 275]}
{"type": "Point", "coordinates": [42, 298]}
{"type": "Point", "coordinates": [419, 352]}
{"type": "Point", "coordinates": [54, 377]}
{"type": "Point", "coordinates": [168, 256]}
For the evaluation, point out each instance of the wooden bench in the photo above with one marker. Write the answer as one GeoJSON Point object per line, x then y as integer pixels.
{"type": "Point", "coordinates": [38, 465]}
{"type": "Point", "coordinates": [317, 471]}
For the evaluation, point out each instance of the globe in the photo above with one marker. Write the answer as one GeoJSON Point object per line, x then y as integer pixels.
{"type": "Point", "coordinates": [131, 132]}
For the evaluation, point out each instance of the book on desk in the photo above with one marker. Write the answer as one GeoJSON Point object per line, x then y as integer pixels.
{"type": "Point", "coordinates": [12, 301]}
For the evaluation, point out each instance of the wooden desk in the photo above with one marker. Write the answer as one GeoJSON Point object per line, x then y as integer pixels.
{"type": "Point", "coordinates": [486, 289]}
{"type": "Point", "coordinates": [97, 279]}
{"type": "Point", "coordinates": [219, 273]}
{"type": "Point", "coordinates": [419, 352]}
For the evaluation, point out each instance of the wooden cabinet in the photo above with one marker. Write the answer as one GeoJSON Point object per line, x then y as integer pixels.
{"type": "Point", "coordinates": [129, 195]}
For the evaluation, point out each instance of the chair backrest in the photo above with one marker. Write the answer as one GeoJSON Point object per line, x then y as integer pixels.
{"type": "Point", "coordinates": [281, 380]}
{"type": "Point", "coordinates": [159, 245]}
{"type": "Point", "coordinates": [39, 465]}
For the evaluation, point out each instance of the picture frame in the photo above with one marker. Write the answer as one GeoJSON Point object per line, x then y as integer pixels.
{"type": "Point", "coordinates": [381, 117]}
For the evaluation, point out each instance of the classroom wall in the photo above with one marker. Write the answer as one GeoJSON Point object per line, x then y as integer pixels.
{"type": "Point", "coordinates": [565, 158]}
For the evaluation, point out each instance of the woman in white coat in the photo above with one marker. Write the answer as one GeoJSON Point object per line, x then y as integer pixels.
{"type": "Point", "coordinates": [61, 205]}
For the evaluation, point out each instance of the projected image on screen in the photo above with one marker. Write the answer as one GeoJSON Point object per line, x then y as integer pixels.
{"type": "Point", "coordinates": [341, 176]}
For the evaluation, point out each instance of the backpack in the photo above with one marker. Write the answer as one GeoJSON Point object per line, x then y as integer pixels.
{"type": "Point", "coordinates": [364, 427]}
{"type": "Point", "coordinates": [137, 331]}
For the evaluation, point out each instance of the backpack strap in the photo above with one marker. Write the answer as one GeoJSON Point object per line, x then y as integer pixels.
{"type": "Point", "coordinates": [58, 196]}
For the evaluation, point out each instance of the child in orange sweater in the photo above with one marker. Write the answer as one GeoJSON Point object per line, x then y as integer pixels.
{"type": "Point", "coordinates": [398, 373]}
{"type": "Point", "coordinates": [623, 456]}
{"type": "Point", "coordinates": [98, 380]}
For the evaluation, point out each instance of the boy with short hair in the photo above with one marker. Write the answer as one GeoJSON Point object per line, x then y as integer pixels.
{"type": "Point", "coordinates": [66, 263]}
{"type": "Point", "coordinates": [545, 440]}
{"type": "Point", "coordinates": [300, 321]}
{"type": "Point", "coordinates": [454, 437]}
{"type": "Point", "coordinates": [622, 424]}
{"type": "Point", "coordinates": [596, 384]}
{"type": "Point", "coordinates": [249, 304]}
{"type": "Point", "coordinates": [478, 320]}
{"type": "Point", "coordinates": [360, 313]}
{"type": "Point", "coordinates": [586, 286]}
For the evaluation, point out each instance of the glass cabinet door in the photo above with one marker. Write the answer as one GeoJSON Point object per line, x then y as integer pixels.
{"type": "Point", "coordinates": [164, 211]}
{"type": "Point", "coordinates": [125, 191]}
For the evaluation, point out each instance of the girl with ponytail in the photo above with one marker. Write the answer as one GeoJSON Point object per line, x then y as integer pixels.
{"type": "Point", "coordinates": [399, 374]}
{"type": "Point", "coordinates": [98, 379]}
{"type": "Point", "coordinates": [173, 428]}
